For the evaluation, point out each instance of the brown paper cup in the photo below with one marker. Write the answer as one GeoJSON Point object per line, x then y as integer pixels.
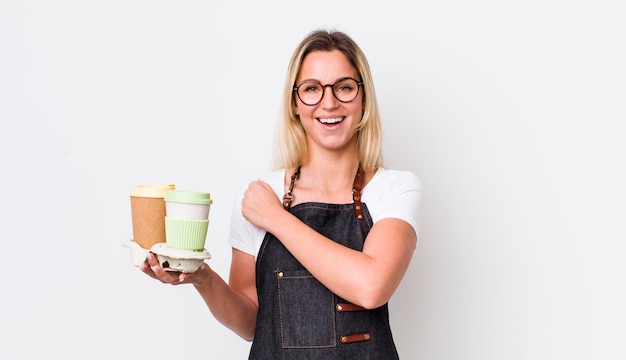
{"type": "Point", "coordinates": [148, 214]}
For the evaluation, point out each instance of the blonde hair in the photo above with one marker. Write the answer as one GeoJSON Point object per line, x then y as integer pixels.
{"type": "Point", "coordinates": [290, 141]}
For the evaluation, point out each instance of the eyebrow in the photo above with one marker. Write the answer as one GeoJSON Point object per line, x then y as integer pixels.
{"type": "Point", "coordinates": [337, 79]}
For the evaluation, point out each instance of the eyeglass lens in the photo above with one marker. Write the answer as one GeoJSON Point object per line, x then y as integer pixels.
{"type": "Point", "coordinates": [312, 92]}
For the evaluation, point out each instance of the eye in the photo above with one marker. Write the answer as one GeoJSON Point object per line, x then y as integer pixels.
{"type": "Point", "coordinates": [310, 88]}
{"type": "Point", "coordinates": [344, 88]}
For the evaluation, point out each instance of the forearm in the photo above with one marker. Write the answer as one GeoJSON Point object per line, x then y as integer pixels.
{"type": "Point", "coordinates": [367, 278]}
{"type": "Point", "coordinates": [344, 271]}
{"type": "Point", "coordinates": [232, 309]}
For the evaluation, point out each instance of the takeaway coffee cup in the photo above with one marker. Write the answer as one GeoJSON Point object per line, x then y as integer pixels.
{"type": "Point", "coordinates": [191, 205]}
{"type": "Point", "coordinates": [148, 213]}
{"type": "Point", "coordinates": [187, 219]}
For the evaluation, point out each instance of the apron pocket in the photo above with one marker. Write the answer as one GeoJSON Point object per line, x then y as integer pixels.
{"type": "Point", "coordinates": [307, 312]}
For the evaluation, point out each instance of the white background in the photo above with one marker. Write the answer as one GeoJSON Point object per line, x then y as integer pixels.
{"type": "Point", "coordinates": [510, 112]}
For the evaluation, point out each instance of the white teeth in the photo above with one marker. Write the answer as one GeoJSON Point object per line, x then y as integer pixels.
{"type": "Point", "coordinates": [331, 121]}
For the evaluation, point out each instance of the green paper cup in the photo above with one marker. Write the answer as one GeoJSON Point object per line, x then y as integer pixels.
{"type": "Point", "coordinates": [186, 234]}
{"type": "Point", "coordinates": [193, 205]}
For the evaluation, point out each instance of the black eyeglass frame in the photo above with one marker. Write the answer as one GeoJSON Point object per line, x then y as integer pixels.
{"type": "Point", "coordinates": [359, 84]}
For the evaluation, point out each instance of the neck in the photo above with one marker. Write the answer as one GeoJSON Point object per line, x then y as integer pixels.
{"type": "Point", "coordinates": [331, 174]}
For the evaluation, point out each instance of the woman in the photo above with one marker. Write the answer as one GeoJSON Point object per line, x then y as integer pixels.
{"type": "Point", "coordinates": [321, 243]}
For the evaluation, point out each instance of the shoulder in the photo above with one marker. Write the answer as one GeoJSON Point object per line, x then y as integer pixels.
{"type": "Point", "coordinates": [387, 179]}
{"type": "Point", "coordinates": [275, 179]}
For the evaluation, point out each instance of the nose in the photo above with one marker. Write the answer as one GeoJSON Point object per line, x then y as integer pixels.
{"type": "Point", "coordinates": [329, 101]}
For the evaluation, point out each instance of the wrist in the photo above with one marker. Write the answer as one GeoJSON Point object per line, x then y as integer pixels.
{"type": "Point", "coordinates": [279, 222]}
{"type": "Point", "coordinates": [203, 276]}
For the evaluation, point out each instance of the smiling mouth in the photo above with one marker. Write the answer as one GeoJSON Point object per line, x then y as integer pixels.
{"type": "Point", "coordinates": [331, 121]}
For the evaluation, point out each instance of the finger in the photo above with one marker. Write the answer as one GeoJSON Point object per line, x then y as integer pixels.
{"type": "Point", "coordinates": [157, 270]}
{"type": "Point", "coordinates": [151, 259]}
{"type": "Point", "coordinates": [147, 270]}
{"type": "Point", "coordinates": [187, 278]}
{"type": "Point", "coordinates": [153, 263]}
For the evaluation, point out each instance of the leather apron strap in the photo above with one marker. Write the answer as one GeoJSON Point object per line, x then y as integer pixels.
{"type": "Point", "coordinates": [357, 186]}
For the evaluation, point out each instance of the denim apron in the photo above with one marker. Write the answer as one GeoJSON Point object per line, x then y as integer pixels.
{"type": "Point", "coordinates": [301, 319]}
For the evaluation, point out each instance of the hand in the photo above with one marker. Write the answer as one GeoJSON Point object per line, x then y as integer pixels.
{"type": "Point", "coordinates": [155, 271]}
{"type": "Point", "coordinates": [260, 205]}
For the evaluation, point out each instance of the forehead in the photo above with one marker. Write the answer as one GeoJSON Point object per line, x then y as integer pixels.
{"type": "Point", "coordinates": [326, 66]}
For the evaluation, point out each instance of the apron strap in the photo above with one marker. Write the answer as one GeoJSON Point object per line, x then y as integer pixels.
{"type": "Point", "coordinates": [288, 197]}
{"type": "Point", "coordinates": [357, 186]}
{"type": "Point", "coordinates": [356, 192]}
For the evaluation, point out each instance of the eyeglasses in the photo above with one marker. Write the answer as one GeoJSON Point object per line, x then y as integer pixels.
{"type": "Point", "coordinates": [312, 92]}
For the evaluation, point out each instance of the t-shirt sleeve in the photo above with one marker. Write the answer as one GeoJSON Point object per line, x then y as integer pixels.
{"type": "Point", "coordinates": [243, 235]}
{"type": "Point", "coordinates": [242, 232]}
{"type": "Point", "coordinates": [401, 198]}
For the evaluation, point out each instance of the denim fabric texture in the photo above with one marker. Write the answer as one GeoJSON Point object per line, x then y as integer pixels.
{"type": "Point", "coordinates": [298, 317]}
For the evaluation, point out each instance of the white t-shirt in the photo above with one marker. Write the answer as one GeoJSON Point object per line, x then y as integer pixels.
{"type": "Point", "coordinates": [389, 194]}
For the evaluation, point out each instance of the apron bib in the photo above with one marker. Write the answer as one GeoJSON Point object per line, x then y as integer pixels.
{"type": "Point", "coordinates": [301, 319]}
